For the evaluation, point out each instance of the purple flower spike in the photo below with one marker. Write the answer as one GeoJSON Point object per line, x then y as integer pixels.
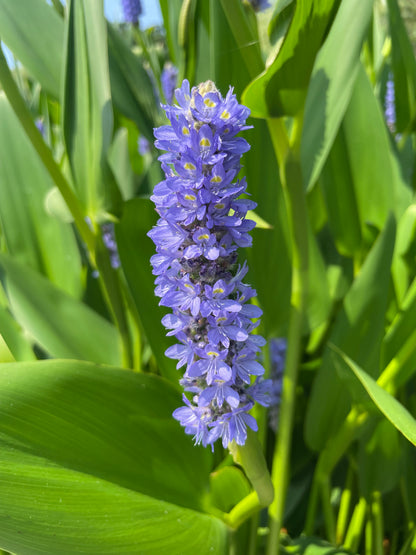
{"type": "Point", "coordinates": [132, 9]}
{"type": "Point", "coordinates": [202, 223]}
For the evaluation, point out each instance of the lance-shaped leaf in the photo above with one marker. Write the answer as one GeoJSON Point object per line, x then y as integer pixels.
{"type": "Point", "coordinates": [390, 407]}
{"type": "Point", "coordinates": [33, 236]}
{"type": "Point", "coordinates": [87, 110]}
{"type": "Point", "coordinates": [93, 462]}
{"type": "Point", "coordinates": [63, 326]}
{"type": "Point", "coordinates": [281, 89]}
{"type": "Point", "coordinates": [331, 84]}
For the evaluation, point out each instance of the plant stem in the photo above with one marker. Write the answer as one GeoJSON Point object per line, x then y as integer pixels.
{"type": "Point", "coordinates": [291, 178]}
{"type": "Point", "coordinates": [377, 523]}
{"type": "Point", "coordinates": [353, 536]}
{"type": "Point", "coordinates": [344, 508]}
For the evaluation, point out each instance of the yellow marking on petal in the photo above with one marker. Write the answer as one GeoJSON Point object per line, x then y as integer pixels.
{"type": "Point", "coordinates": [225, 115]}
{"type": "Point", "coordinates": [209, 103]}
{"type": "Point", "coordinates": [219, 205]}
{"type": "Point", "coordinates": [212, 354]}
{"type": "Point", "coordinates": [221, 319]}
{"type": "Point", "coordinates": [242, 298]}
{"type": "Point", "coordinates": [185, 131]}
{"type": "Point", "coordinates": [189, 286]}
{"type": "Point", "coordinates": [202, 237]}
{"type": "Point", "coordinates": [205, 142]}
{"type": "Point", "coordinates": [190, 197]}
{"type": "Point", "coordinates": [216, 179]}
{"type": "Point", "coordinates": [189, 166]}
{"type": "Point", "coordinates": [242, 356]}
{"type": "Point", "coordinates": [218, 290]}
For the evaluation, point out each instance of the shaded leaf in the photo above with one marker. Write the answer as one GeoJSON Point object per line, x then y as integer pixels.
{"type": "Point", "coordinates": [61, 325]}
{"type": "Point", "coordinates": [331, 85]}
{"type": "Point", "coordinates": [358, 330]}
{"type": "Point", "coordinates": [98, 446]}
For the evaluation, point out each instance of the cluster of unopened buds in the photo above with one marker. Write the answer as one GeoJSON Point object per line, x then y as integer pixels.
{"type": "Point", "coordinates": [202, 223]}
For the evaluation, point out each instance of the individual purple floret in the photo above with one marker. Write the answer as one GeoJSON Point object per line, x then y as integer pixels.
{"type": "Point", "coordinates": [390, 108]}
{"type": "Point", "coordinates": [202, 223]}
{"type": "Point", "coordinates": [259, 5]}
{"type": "Point", "coordinates": [110, 242]}
{"type": "Point", "coordinates": [132, 10]}
{"type": "Point", "coordinates": [168, 81]}
{"type": "Point", "coordinates": [143, 146]}
{"type": "Point", "coordinates": [278, 348]}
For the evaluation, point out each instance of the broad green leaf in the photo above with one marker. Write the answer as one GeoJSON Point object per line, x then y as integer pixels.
{"type": "Point", "coordinates": [135, 250]}
{"type": "Point", "coordinates": [390, 407]}
{"type": "Point", "coordinates": [33, 30]}
{"type": "Point", "coordinates": [281, 89]}
{"type": "Point", "coordinates": [87, 115]}
{"type": "Point", "coordinates": [14, 337]}
{"type": "Point", "coordinates": [331, 85]}
{"type": "Point", "coordinates": [358, 331]}
{"type": "Point", "coordinates": [381, 444]}
{"type": "Point", "coordinates": [31, 235]}
{"type": "Point", "coordinates": [340, 198]}
{"type": "Point", "coordinates": [404, 70]}
{"type": "Point", "coordinates": [360, 179]}
{"type": "Point", "coordinates": [61, 325]}
{"type": "Point", "coordinates": [379, 188]}
{"type": "Point", "coordinates": [92, 462]}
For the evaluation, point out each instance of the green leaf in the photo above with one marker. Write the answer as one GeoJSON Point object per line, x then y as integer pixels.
{"type": "Point", "coordinates": [131, 87]}
{"type": "Point", "coordinates": [135, 250]}
{"type": "Point", "coordinates": [31, 235]}
{"type": "Point", "coordinates": [281, 89]}
{"type": "Point", "coordinates": [331, 85]}
{"type": "Point", "coordinates": [381, 444]}
{"type": "Point", "coordinates": [398, 344]}
{"type": "Point", "coordinates": [61, 325]}
{"type": "Point", "coordinates": [14, 338]}
{"type": "Point", "coordinates": [41, 56]}
{"type": "Point", "coordinates": [86, 107]}
{"type": "Point", "coordinates": [269, 258]}
{"type": "Point", "coordinates": [358, 331]}
{"type": "Point", "coordinates": [93, 462]}
{"type": "Point", "coordinates": [379, 188]}
{"type": "Point", "coordinates": [394, 411]}
{"type": "Point", "coordinates": [404, 69]}
{"type": "Point", "coordinates": [228, 486]}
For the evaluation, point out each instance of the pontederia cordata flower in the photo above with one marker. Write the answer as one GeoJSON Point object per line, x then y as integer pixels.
{"type": "Point", "coordinates": [202, 223]}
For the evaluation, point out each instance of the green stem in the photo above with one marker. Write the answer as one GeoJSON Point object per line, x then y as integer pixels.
{"type": "Point", "coordinates": [328, 511]}
{"type": "Point", "coordinates": [344, 508]}
{"type": "Point", "coordinates": [377, 523]}
{"type": "Point", "coordinates": [291, 178]}
{"type": "Point", "coordinates": [328, 459]}
{"type": "Point", "coordinates": [353, 536]}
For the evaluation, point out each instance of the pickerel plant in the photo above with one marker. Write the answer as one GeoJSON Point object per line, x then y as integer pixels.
{"type": "Point", "coordinates": [202, 223]}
